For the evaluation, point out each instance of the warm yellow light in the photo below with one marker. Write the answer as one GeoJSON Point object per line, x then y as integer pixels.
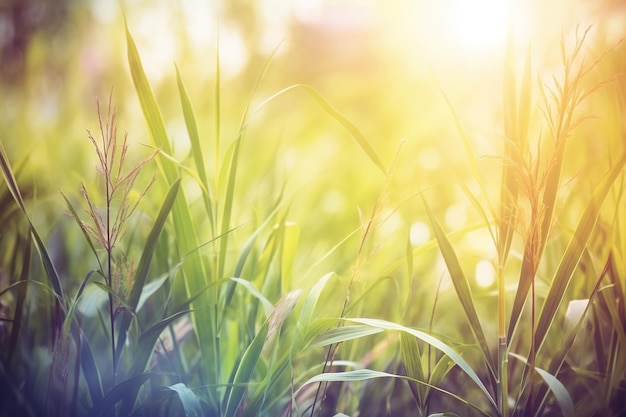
{"type": "Point", "coordinates": [479, 24]}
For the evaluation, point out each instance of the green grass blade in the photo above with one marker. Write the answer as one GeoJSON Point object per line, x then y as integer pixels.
{"type": "Point", "coordinates": [141, 274]}
{"type": "Point", "coordinates": [343, 334]}
{"type": "Point", "coordinates": [333, 112]}
{"type": "Point", "coordinates": [143, 353]}
{"type": "Point", "coordinates": [149, 106]}
{"type": "Point", "coordinates": [305, 321]}
{"type": "Point", "coordinates": [434, 342]}
{"type": "Point", "coordinates": [49, 267]}
{"type": "Point", "coordinates": [561, 394]}
{"type": "Point", "coordinates": [368, 374]}
{"type": "Point", "coordinates": [267, 305]}
{"type": "Point", "coordinates": [196, 148]}
{"type": "Point", "coordinates": [120, 392]}
{"type": "Point", "coordinates": [16, 326]}
{"type": "Point", "coordinates": [86, 234]}
{"type": "Point", "coordinates": [411, 358]}
{"type": "Point", "coordinates": [194, 271]}
{"type": "Point", "coordinates": [461, 285]}
{"type": "Point", "coordinates": [189, 400]}
{"type": "Point", "coordinates": [244, 372]}
{"type": "Point", "coordinates": [72, 307]}
{"type": "Point", "coordinates": [465, 140]}
{"type": "Point", "coordinates": [573, 253]}
{"type": "Point", "coordinates": [88, 366]}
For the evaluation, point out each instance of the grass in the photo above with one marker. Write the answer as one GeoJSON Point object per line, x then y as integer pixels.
{"type": "Point", "coordinates": [189, 302]}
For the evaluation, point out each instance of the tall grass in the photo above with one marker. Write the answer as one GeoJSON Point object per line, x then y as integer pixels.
{"type": "Point", "coordinates": [185, 307]}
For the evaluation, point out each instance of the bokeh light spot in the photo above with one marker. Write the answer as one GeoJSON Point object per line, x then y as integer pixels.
{"type": "Point", "coordinates": [485, 274]}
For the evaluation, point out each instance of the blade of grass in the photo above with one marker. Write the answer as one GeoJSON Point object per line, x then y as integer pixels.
{"type": "Point", "coordinates": [141, 274]}
{"type": "Point", "coordinates": [411, 358]}
{"type": "Point", "coordinates": [88, 365]}
{"type": "Point", "coordinates": [196, 149]}
{"type": "Point", "coordinates": [244, 372]}
{"type": "Point", "coordinates": [194, 271]}
{"type": "Point", "coordinates": [461, 285]}
{"type": "Point", "coordinates": [58, 310]}
{"type": "Point", "coordinates": [563, 397]}
{"type": "Point", "coordinates": [72, 307]}
{"type": "Point", "coordinates": [573, 253]}
{"type": "Point", "coordinates": [118, 393]}
{"type": "Point", "coordinates": [434, 342]}
{"type": "Point", "coordinates": [141, 358]}
{"type": "Point", "coordinates": [330, 109]}
{"type": "Point", "coordinates": [465, 140]}
{"type": "Point", "coordinates": [16, 326]}
{"type": "Point", "coordinates": [189, 400]}
{"type": "Point", "coordinates": [368, 374]}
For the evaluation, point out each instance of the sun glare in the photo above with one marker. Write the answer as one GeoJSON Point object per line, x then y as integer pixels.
{"type": "Point", "coordinates": [479, 24]}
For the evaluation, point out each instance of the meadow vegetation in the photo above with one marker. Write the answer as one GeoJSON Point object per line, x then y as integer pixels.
{"type": "Point", "coordinates": [266, 245]}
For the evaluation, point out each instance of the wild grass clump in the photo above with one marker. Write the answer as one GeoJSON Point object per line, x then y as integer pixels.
{"type": "Point", "coordinates": [199, 313]}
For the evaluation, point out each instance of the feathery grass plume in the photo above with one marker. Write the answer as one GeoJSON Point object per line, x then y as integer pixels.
{"type": "Point", "coordinates": [107, 225]}
{"type": "Point", "coordinates": [539, 179]}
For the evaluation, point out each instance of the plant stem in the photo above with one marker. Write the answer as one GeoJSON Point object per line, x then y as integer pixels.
{"type": "Point", "coordinates": [531, 360]}
{"type": "Point", "coordinates": [109, 249]}
{"type": "Point", "coordinates": [503, 404]}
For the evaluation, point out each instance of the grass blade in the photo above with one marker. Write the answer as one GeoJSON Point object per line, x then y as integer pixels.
{"type": "Point", "coordinates": [434, 342]}
{"type": "Point", "coordinates": [561, 394]}
{"type": "Point", "coordinates": [144, 263]}
{"type": "Point", "coordinates": [461, 285]}
{"type": "Point", "coordinates": [356, 134]}
{"type": "Point", "coordinates": [118, 393]}
{"type": "Point", "coordinates": [343, 334]}
{"type": "Point", "coordinates": [51, 272]}
{"type": "Point", "coordinates": [189, 400]}
{"type": "Point", "coordinates": [194, 271]}
{"type": "Point", "coordinates": [573, 253]}
{"type": "Point", "coordinates": [411, 358]}
{"type": "Point", "coordinates": [196, 149]}
{"type": "Point", "coordinates": [368, 374]}
{"type": "Point", "coordinates": [21, 298]}
{"type": "Point", "coordinates": [244, 372]}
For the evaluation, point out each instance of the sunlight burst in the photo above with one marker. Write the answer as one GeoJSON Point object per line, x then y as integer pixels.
{"type": "Point", "coordinates": [480, 24]}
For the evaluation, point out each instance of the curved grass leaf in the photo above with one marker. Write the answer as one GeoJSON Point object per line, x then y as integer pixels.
{"type": "Point", "coordinates": [434, 342]}
{"type": "Point", "coordinates": [49, 267]}
{"type": "Point", "coordinates": [141, 274]}
{"type": "Point", "coordinates": [21, 298]}
{"type": "Point", "coordinates": [573, 253]}
{"type": "Point", "coordinates": [461, 285]}
{"type": "Point", "coordinates": [142, 355]}
{"type": "Point", "coordinates": [196, 149]}
{"type": "Point", "coordinates": [368, 374]}
{"type": "Point", "coordinates": [267, 305]}
{"type": "Point", "coordinates": [446, 414]}
{"type": "Point", "coordinates": [194, 270]}
{"type": "Point", "coordinates": [70, 312]}
{"type": "Point", "coordinates": [343, 334]}
{"type": "Point", "coordinates": [356, 134]}
{"type": "Point", "coordinates": [561, 394]}
{"type": "Point", "coordinates": [302, 336]}
{"type": "Point", "coordinates": [189, 400]}
{"type": "Point", "coordinates": [412, 359]}
{"type": "Point", "coordinates": [120, 392]}
{"type": "Point", "coordinates": [88, 365]}
{"type": "Point", "coordinates": [86, 234]}
{"type": "Point", "coordinates": [244, 372]}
